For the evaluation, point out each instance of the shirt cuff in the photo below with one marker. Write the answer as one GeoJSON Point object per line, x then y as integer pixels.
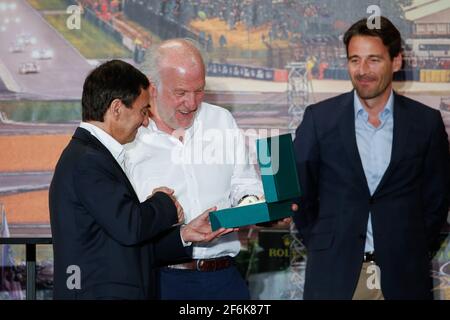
{"type": "Point", "coordinates": [185, 244]}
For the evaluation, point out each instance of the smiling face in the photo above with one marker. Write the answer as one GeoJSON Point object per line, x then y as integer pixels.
{"type": "Point", "coordinates": [370, 67]}
{"type": "Point", "coordinates": [179, 95]}
{"type": "Point", "coordinates": [130, 119]}
{"type": "Point", "coordinates": [179, 90]}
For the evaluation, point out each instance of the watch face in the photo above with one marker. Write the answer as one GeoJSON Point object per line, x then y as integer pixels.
{"type": "Point", "coordinates": [249, 200]}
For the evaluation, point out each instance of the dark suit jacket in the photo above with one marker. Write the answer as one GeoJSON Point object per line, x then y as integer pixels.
{"type": "Point", "coordinates": [99, 225]}
{"type": "Point", "coordinates": [408, 208]}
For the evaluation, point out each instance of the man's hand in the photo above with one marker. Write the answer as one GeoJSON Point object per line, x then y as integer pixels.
{"type": "Point", "coordinates": [199, 229]}
{"type": "Point", "coordinates": [170, 193]}
{"type": "Point", "coordinates": [281, 223]}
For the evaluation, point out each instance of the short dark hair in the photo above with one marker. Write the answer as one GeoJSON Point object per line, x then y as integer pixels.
{"type": "Point", "coordinates": [111, 80]}
{"type": "Point", "coordinates": [387, 32]}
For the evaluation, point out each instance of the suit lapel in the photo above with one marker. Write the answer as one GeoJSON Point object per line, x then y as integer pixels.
{"type": "Point", "coordinates": [347, 131]}
{"type": "Point", "coordinates": [400, 136]}
{"type": "Point", "coordinates": [85, 135]}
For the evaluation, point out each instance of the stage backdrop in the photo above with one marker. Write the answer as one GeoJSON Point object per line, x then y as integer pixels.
{"type": "Point", "coordinates": [266, 59]}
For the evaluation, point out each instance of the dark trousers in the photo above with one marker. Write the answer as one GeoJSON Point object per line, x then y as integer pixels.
{"type": "Point", "coordinates": [225, 284]}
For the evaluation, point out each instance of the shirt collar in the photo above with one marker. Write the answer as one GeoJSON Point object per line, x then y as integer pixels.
{"type": "Point", "coordinates": [108, 141]}
{"type": "Point", "coordinates": [360, 111]}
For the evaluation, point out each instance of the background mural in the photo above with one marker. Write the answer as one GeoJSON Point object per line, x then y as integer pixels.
{"type": "Point", "coordinates": [267, 60]}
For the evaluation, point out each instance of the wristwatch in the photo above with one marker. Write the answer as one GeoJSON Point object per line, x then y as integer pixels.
{"type": "Point", "coordinates": [248, 199]}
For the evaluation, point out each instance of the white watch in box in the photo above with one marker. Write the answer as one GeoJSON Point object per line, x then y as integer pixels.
{"type": "Point", "coordinates": [248, 199]}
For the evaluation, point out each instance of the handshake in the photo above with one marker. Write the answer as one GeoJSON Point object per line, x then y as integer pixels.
{"type": "Point", "coordinates": [199, 229]}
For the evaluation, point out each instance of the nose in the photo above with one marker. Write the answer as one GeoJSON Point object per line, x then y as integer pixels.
{"type": "Point", "coordinates": [190, 101]}
{"type": "Point", "coordinates": [146, 121]}
{"type": "Point", "coordinates": [363, 67]}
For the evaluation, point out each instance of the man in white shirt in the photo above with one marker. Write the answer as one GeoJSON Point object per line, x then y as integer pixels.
{"type": "Point", "coordinates": [196, 149]}
{"type": "Point", "coordinates": [106, 242]}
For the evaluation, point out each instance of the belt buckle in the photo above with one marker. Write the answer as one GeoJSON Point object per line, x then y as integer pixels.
{"type": "Point", "coordinates": [197, 265]}
{"type": "Point", "coordinates": [206, 265]}
{"type": "Point", "coordinates": [369, 256]}
{"type": "Point", "coordinates": [201, 264]}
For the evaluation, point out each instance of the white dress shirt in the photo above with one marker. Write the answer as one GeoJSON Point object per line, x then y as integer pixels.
{"type": "Point", "coordinates": [209, 168]}
{"type": "Point", "coordinates": [113, 146]}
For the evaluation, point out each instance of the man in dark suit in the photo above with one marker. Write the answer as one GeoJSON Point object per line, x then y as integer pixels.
{"type": "Point", "coordinates": [374, 170]}
{"type": "Point", "coordinates": [106, 243]}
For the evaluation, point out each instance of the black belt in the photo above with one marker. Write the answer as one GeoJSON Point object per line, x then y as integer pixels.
{"type": "Point", "coordinates": [369, 256]}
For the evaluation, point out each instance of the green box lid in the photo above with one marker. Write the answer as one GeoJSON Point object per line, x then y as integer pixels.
{"type": "Point", "coordinates": [278, 169]}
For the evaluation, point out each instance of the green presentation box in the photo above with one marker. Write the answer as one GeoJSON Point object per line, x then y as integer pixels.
{"type": "Point", "coordinates": [279, 178]}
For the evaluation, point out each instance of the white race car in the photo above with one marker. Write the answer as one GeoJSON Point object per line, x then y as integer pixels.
{"type": "Point", "coordinates": [42, 54]}
{"type": "Point", "coordinates": [16, 48]}
{"type": "Point", "coordinates": [26, 39]}
{"type": "Point", "coordinates": [29, 67]}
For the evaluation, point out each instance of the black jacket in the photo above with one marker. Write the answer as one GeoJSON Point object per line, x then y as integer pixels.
{"type": "Point", "coordinates": [409, 206]}
{"type": "Point", "coordinates": [99, 226]}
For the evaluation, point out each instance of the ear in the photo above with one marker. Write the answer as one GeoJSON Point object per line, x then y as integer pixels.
{"type": "Point", "coordinates": [115, 108]}
{"type": "Point", "coordinates": [397, 62]}
{"type": "Point", "coordinates": [153, 90]}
